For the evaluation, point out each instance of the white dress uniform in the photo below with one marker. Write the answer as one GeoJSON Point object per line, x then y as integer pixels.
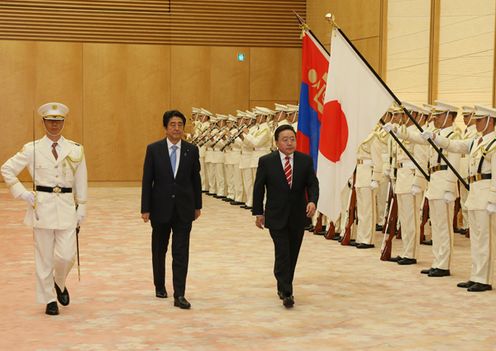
{"type": "Point", "coordinates": [441, 193]}
{"type": "Point", "coordinates": [218, 159]}
{"type": "Point", "coordinates": [201, 149]}
{"type": "Point", "coordinates": [53, 216]}
{"type": "Point", "coordinates": [409, 189]}
{"type": "Point", "coordinates": [209, 157]}
{"type": "Point", "coordinates": [469, 134]}
{"type": "Point", "coordinates": [369, 168]}
{"type": "Point", "coordinates": [245, 165]}
{"type": "Point", "coordinates": [382, 191]}
{"type": "Point", "coordinates": [481, 197]}
{"type": "Point", "coordinates": [234, 179]}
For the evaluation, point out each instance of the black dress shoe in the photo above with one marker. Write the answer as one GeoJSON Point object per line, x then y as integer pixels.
{"type": "Point", "coordinates": [248, 207]}
{"type": "Point", "coordinates": [62, 296]}
{"type": "Point", "coordinates": [395, 259]}
{"type": "Point", "coordinates": [480, 287]}
{"type": "Point", "coordinates": [236, 203]}
{"type": "Point", "coordinates": [227, 199]}
{"type": "Point", "coordinates": [309, 228]}
{"type": "Point", "coordinates": [438, 272]}
{"type": "Point", "coordinates": [182, 303]}
{"type": "Point", "coordinates": [466, 285]}
{"type": "Point", "coordinates": [52, 308]}
{"type": "Point", "coordinates": [288, 301]}
{"type": "Point", "coordinates": [426, 271]}
{"type": "Point", "coordinates": [407, 261]}
{"type": "Point", "coordinates": [352, 242]}
{"type": "Point", "coordinates": [463, 231]}
{"type": "Point", "coordinates": [336, 237]}
{"type": "Point", "coordinates": [378, 228]}
{"type": "Point", "coordinates": [161, 293]}
{"type": "Point", "coordinates": [280, 294]}
{"type": "Point", "coordinates": [365, 246]}
{"type": "Point", "coordinates": [426, 242]}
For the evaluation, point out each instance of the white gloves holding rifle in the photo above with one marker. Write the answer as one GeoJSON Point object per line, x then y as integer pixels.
{"type": "Point", "coordinates": [491, 208]}
{"type": "Point", "coordinates": [415, 190]}
{"type": "Point", "coordinates": [81, 213]}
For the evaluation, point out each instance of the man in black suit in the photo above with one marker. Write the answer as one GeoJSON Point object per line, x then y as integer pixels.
{"type": "Point", "coordinates": [292, 193]}
{"type": "Point", "coordinates": [171, 200]}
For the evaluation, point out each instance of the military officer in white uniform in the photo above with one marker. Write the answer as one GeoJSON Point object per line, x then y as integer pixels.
{"type": "Point", "coordinates": [245, 163]}
{"type": "Point", "coordinates": [481, 200]}
{"type": "Point", "coordinates": [232, 152]}
{"type": "Point", "coordinates": [410, 186]}
{"type": "Point", "coordinates": [56, 207]}
{"type": "Point", "coordinates": [469, 133]}
{"type": "Point", "coordinates": [442, 190]}
{"type": "Point", "coordinates": [368, 175]}
{"type": "Point", "coordinates": [204, 127]}
{"type": "Point", "coordinates": [217, 144]}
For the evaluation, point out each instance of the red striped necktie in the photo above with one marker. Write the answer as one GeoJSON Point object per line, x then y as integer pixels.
{"type": "Point", "coordinates": [288, 172]}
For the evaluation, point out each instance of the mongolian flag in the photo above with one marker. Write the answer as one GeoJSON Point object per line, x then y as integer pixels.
{"type": "Point", "coordinates": [355, 100]}
{"type": "Point", "coordinates": [315, 64]}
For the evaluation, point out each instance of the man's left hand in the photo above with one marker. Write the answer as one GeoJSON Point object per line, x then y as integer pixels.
{"type": "Point", "coordinates": [197, 214]}
{"type": "Point", "coordinates": [260, 221]}
{"type": "Point", "coordinates": [310, 209]}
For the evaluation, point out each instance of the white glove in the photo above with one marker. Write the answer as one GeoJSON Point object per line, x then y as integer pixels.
{"type": "Point", "coordinates": [427, 135]}
{"type": "Point", "coordinates": [374, 184]}
{"type": "Point", "coordinates": [415, 190]}
{"type": "Point", "coordinates": [449, 197]}
{"type": "Point", "coordinates": [491, 208]}
{"type": "Point", "coordinates": [28, 196]}
{"type": "Point", "coordinates": [388, 127]}
{"type": "Point", "coordinates": [81, 213]}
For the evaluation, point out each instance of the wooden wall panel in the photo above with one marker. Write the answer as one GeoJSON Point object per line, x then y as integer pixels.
{"type": "Point", "coordinates": [275, 74]}
{"type": "Point", "coordinates": [17, 95]}
{"type": "Point", "coordinates": [180, 22]}
{"type": "Point", "coordinates": [126, 91]}
{"type": "Point", "coordinates": [370, 49]}
{"type": "Point", "coordinates": [58, 77]}
{"type": "Point", "coordinates": [230, 80]}
{"type": "Point", "coordinates": [190, 78]}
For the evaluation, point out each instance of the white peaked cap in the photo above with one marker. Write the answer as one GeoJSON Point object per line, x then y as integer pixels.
{"type": "Point", "coordinates": [232, 118]}
{"type": "Point", "coordinates": [250, 115]}
{"type": "Point", "coordinates": [196, 110]}
{"type": "Point", "coordinates": [483, 111]}
{"type": "Point", "coordinates": [281, 107]}
{"type": "Point", "coordinates": [442, 107]}
{"type": "Point", "coordinates": [468, 109]}
{"type": "Point", "coordinates": [240, 113]}
{"type": "Point", "coordinates": [207, 112]}
{"type": "Point", "coordinates": [53, 111]}
{"type": "Point", "coordinates": [221, 117]}
{"type": "Point", "coordinates": [293, 108]}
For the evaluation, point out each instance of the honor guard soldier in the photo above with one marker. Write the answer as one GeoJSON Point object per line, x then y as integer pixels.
{"type": "Point", "coordinates": [292, 116]}
{"type": "Point", "coordinates": [209, 165]}
{"type": "Point", "coordinates": [232, 153]}
{"type": "Point", "coordinates": [245, 163]}
{"type": "Point", "coordinates": [442, 190]}
{"type": "Point", "coordinates": [281, 114]}
{"type": "Point", "coordinates": [205, 126]}
{"type": "Point", "coordinates": [217, 144]}
{"type": "Point", "coordinates": [469, 134]}
{"type": "Point", "coordinates": [368, 175]}
{"type": "Point", "coordinates": [56, 207]}
{"type": "Point", "coordinates": [410, 186]}
{"type": "Point", "coordinates": [481, 200]}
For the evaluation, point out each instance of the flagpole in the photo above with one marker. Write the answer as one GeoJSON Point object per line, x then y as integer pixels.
{"type": "Point", "coordinates": [445, 159]}
{"type": "Point", "coordinates": [330, 18]}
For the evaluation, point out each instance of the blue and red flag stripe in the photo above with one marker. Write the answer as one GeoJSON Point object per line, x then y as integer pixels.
{"type": "Point", "coordinates": [315, 64]}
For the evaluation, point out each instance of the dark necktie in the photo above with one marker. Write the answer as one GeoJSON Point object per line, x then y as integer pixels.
{"type": "Point", "coordinates": [54, 151]}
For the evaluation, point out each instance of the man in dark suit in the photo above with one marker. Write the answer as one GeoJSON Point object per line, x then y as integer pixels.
{"type": "Point", "coordinates": [171, 200]}
{"type": "Point", "coordinates": [292, 193]}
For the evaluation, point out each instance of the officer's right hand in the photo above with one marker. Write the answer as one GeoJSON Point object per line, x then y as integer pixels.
{"type": "Point", "coordinates": [415, 190]}
{"type": "Point", "coordinates": [491, 208]}
{"type": "Point", "coordinates": [426, 134]}
{"type": "Point", "coordinates": [388, 127]}
{"type": "Point", "coordinates": [260, 221]}
{"type": "Point", "coordinates": [28, 196]}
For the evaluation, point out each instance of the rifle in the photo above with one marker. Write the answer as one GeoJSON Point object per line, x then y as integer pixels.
{"type": "Point", "coordinates": [331, 232]}
{"type": "Point", "coordinates": [205, 139]}
{"type": "Point", "coordinates": [202, 136]}
{"type": "Point", "coordinates": [351, 213]}
{"type": "Point", "coordinates": [392, 219]}
{"type": "Point", "coordinates": [232, 139]}
{"type": "Point", "coordinates": [318, 226]}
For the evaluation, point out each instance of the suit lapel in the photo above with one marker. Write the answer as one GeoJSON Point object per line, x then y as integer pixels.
{"type": "Point", "coordinates": [185, 149]}
{"type": "Point", "coordinates": [65, 149]}
{"type": "Point", "coordinates": [45, 149]}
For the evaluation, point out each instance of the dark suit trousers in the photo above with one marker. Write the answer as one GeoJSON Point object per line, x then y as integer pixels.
{"type": "Point", "coordinates": [287, 245]}
{"type": "Point", "coordinates": [180, 252]}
